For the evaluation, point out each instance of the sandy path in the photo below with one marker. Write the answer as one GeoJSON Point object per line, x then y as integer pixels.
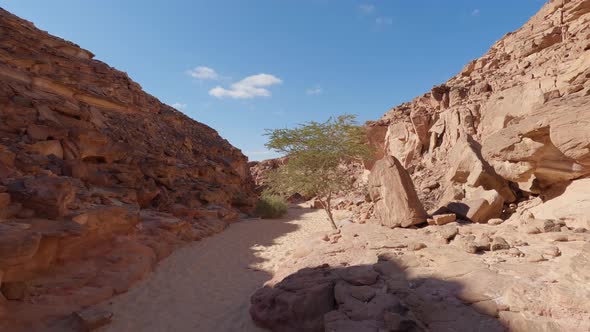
{"type": "Point", "coordinates": [206, 286]}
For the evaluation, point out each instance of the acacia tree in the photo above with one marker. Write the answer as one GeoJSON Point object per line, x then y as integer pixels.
{"type": "Point", "coordinates": [317, 153]}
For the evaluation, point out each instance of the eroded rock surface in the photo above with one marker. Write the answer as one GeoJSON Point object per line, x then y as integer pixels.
{"type": "Point", "coordinates": [394, 196]}
{"type": "Point", "coordinates": [513, 121]}
{"type": "Point", "coordinates": [499, 158]}
{"type": "Point", "coordinates": [99, 180]}
{"type": "Point", "coordinates": [455, 277]}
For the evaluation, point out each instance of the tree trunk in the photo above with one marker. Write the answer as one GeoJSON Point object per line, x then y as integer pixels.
{"type": "Point", "coordinates": [328, 208]}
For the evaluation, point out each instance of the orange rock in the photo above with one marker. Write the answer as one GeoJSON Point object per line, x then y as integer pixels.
{"type": "Point", "coordinates": [47, 196]}
{"type": "Point", "coordinates": [4, 200]}
{"type": "Point", "coordinates": [48, 148]}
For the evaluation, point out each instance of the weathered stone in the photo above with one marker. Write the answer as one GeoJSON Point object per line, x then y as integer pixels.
{"type": "Point", "coordinates": [495, 221]}
{"type": "Point", "coordinates": [471, 169]}
{"type": "Point", "coordinates": [92, 318]}
{"type": "Point", "coordinates": [18, 244]}
{"type": "Point", "coordinates": [499, 244]}
{"type": "Point", "coordinates": [304, 299]}
{"type": "Point", "coordinates": [443, 219]}
{"type": "Point", "coordinates": [48, 148]}
{"type": "Point", "coordinates": [16, 291]}
{"type": "Point", "coordinates": [480, 206]}
{"type": "Point", "coordinates": [359, 275]}
{"type": "Point", "coordinates": [393, 192]}
{"type": "Point", "coordinates": [4, 200]}
{"type": "Point", "coordinates": [417, 246]}
{"type": "Point", "coordinates": [48, 196]}
{"type": "Point", "coordinates": [448, 232]}
{"type": "Point", "coordinates": [551, 252]}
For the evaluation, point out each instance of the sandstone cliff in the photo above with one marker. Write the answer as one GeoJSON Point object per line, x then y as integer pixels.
{"type": "Point", "coordinates": [510, 126]}
{"type": "Point", "coordinates": [95, 170]}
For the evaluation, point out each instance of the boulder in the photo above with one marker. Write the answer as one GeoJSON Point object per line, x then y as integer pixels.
{"type": "Point", "coordinates": [443, 219]}
{"type": "Point", "coordinates": [392, 191]}
{"type": "Point", "coordinates": [479, 206]}
{"type": "Point", "coordinates": [92, 318]}
{"type": "Point", "coordinates": [297, 303]}
{"type": "Point", "coordinates": [318, 299]}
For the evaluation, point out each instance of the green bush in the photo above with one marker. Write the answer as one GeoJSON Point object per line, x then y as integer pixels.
{"type": "Point", "coordinates": [271, 206]}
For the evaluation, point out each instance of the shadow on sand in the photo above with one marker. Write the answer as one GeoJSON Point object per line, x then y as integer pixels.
{"type": "Point", "coordinates": [203, 286]}
{"type": "Point", "coordinates": [379, 297]}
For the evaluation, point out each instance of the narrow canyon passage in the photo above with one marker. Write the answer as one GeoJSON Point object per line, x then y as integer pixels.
{"type": "Point", "coordinates": [206, 286]}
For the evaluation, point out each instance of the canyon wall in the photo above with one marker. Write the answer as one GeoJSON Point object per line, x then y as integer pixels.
{"type": "Point", "coordinates": [91, 167]}
{"type": "Point", "coordinates": [511, 125]}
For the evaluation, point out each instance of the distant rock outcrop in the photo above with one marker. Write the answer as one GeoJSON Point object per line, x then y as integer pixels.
{"type": "Point", "coordinates": [94, 169]}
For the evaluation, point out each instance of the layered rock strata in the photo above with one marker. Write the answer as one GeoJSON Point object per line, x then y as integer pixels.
{"type": "Point", "coordinates": [96, 173]}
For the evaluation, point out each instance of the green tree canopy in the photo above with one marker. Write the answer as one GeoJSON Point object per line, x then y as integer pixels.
{"type": "Point", "coordinates": [318, 152]}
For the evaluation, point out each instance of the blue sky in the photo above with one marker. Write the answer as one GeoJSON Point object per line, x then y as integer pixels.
{"type": "Point", "coordinates": [242, 66]}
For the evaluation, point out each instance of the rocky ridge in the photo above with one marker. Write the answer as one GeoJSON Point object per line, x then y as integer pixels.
{"type": "Point", "coordinates": [99, 180]}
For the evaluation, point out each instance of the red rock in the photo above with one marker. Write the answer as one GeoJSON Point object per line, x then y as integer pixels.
{"type": "Point", "coordinates": [4, 200]}
{"type": "Point", "coordinates": [16, 291]}
{"type": "Point", "coordinates": [100, 225]}
{"type": "Point", "coordinates": [47, 196]}
{"type": "Point", "coordinates": [18, 244]}
{"type": "Point", "coordinates": [48, 148]}
{"type": "Point", "coordinates": [293, 296]}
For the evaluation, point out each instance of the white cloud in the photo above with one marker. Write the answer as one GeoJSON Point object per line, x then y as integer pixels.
{"type": "Point", "coordinates": [179, 106]}
{"type": "Point", "coordinates": [203, 73]}
{"type": "Point", "coordinates": [314, 91]}
{"type": "Point", "coordinates": [383, 20]}
{"type": "Point", "coordinates": [248, 88]}
{"type": "Point", "coordinates": [475, 12]}
{"type": "Point", "coordinates": [367, 9]}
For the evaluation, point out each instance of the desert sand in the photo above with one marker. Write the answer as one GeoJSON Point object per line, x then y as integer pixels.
{"type": "Point", "coordinates": [206, 286]}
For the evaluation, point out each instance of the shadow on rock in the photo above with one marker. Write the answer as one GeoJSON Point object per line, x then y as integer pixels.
{"type": "Point", "coordinates": [379, 297]}
{"type": "Point", "coordinates": [237, 256]}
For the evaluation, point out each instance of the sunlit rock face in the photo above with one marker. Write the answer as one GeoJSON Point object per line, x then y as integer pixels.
{"type": "Point", "coordinates": [87, 158]}
{"type": "Point", "coordinates": [513, 121]}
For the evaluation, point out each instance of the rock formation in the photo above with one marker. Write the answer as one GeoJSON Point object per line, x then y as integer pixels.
{"type": "Point", "coordinates": [394, 196]}
{"type": "Point", "coordinates": [97, 175]}
{"type": "Point", "coordinates": [511, 123]}
{"type": "Point", "coordinates": [520, 275]}
{"type": "Point", "coordinates": [260, 169]}
{"type": "Point", "coordinates": [500, 157]}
